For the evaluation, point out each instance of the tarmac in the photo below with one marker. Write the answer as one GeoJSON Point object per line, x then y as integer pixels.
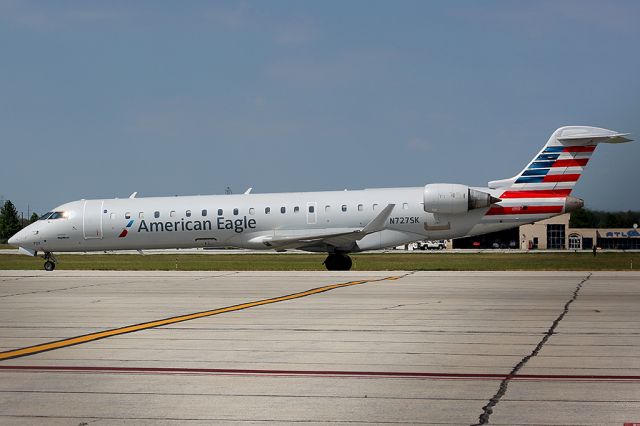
{"type": "Point", "coordinates": [201, 348]}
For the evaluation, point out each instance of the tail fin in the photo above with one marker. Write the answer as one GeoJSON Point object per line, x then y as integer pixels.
{"type": "Point", "coordinates": [555, 170]}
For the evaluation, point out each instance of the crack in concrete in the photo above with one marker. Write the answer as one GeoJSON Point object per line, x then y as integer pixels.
{"type": "Point", "coordinates": [487, 410]}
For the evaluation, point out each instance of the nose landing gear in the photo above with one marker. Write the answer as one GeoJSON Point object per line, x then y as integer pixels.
{"type": "Point", "coordinates": [50, 261]}
{"type": "Point", "coordinates": [338, 262]}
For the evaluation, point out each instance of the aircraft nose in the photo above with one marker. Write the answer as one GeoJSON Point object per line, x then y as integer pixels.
{"type": "Point", "coordinates": [15, 239]}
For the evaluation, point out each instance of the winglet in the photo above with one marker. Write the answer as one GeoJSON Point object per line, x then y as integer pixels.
{"type": "Point", "coordinates": [378, 223]}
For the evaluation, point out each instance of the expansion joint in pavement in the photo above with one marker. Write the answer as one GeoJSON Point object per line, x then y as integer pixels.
{"type": "Point", "coordinates": [487, 410]}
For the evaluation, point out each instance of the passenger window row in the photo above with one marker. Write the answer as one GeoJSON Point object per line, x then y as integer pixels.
{"type": "Point", "coordinates": [236, 211]}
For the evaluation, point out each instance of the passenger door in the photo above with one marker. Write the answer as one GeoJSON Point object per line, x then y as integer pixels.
{"type": "Point", "coordinates": [92, 219]}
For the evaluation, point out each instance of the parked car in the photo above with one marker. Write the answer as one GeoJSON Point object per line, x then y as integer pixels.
{"type": "Point", "coordinates": [434, 245]}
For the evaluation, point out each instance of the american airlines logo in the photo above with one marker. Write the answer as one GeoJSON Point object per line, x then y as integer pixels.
{"type": "Point", "coordinates": [125, 231]}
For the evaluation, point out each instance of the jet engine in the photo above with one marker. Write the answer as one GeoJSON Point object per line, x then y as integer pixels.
{"type": "Point", "coordinates": [453, 198]}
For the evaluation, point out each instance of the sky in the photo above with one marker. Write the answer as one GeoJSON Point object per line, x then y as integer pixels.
{"type": "Point", "coordinates": [101, 99]}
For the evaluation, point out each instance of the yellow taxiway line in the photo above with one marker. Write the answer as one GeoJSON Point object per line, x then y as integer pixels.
{"type": "Point", "coordinates": [31, 350]}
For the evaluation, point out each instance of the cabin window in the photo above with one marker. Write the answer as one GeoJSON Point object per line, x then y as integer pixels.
{"type": "Point", "coordinates": [296, 209]}
{"type": "Point", "coordinates": [267, 210]}
{"type": "Point", "coordinates": [141, 215]}
{"type": "Point", "coordinates": [312, 209]}
{"type": "Point", "coordinates": [204, 212]}
{"type": "Point", "coordinates": [187, 213]}
{"type": "Point", "coordinates": [283, 210]}
{"type": "Point", "coordinates": [172, 213]}
{"type": "Point", "coordinates": [405, 206]}
{"type": "Point", "coordinates": [127, 215]}
{"type": "Point", "coordinates": [112, 216]}
{"type": "Point", "coordinates": [220, 212]}
{"type": "Point", "coordinates": [252, 210]}
{"type": "Point", "coordinates": [375, 207]}
{"type": "Point", "coordinates": [327, 209]}
{"type": "Point", "coordinates": [344, 207]}
{"type": "Point", "coordinates": [235, 212]}
{"type": "Point", "coordinates": [156, 214]}
{"type": "Point", "coordinates": [360, 207]}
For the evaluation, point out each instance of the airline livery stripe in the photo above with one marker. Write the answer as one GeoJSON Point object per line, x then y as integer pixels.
{"type": "Point", "coordinates": [571, 163]}
{"type": "Point", "coordinates": [554, 149]}
{"type": "Point", "coordinates": [561, 178]}
{"type": "Point", "coordinates": [536, 172]}
{"type": "Point", "coordinates": [545, 193]}
{"type": "Point", "coordinates": [31, 350]}
{"type": "Point", "coordinates": [521, 210]}
{"type": "Point", "coordinates": [541, 164]}
{"type": "Point", "coordinates": [530, 179]}
{"type": "Point", "coordinates": [579, 149]}
{"type": "Point", "coordinates": [547, 157]}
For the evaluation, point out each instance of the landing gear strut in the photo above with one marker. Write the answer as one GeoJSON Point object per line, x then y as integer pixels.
{"type": "Point", "coordinates": [50, 261]}
{"type": "Point", "coordinates": [338, 262]}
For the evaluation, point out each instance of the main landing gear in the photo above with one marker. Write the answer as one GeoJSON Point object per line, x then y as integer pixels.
{"type": "Point", "coordinates": [338, 262]}
{"type": "Point", "coordinates": [50, 261]}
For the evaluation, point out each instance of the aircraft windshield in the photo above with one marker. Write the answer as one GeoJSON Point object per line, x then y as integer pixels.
{"type": "Point", "coordinates": [52, 215]}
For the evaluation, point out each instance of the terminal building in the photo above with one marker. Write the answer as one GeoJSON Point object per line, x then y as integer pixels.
{"type": "Point", "coordinates": [554, 233]}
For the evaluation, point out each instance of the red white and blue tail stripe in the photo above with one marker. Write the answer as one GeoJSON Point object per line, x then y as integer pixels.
{"type": "Point", "coordinates": [542, 188]}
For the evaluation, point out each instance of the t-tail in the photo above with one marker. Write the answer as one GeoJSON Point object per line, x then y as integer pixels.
{"type": "Point", "coordinates": [544, 186]}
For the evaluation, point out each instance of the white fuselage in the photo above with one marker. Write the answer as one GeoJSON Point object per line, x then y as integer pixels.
{"type": "Point", "coordinates": [249, 221]}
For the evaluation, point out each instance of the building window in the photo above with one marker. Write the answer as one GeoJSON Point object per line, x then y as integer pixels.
{"type": "Point", "coordinates": [156, 214]}
{"type": "Point", "coordinates": [252, 211]}
{"type": "Point", "coordinates": [296, 209]}
{"type": "Point", "coordinates": [220, 212]}
{"type": "Point", "coordinates": [344, 207]}
{"type": "Point", "coordinates": [188, 213]}
{"type": "Point", "coordinates": [204, 212]}
{"type": "Point", "coordinates": [283, 210]}
{"type": "Point", "coordinates": [575, 242]}
{"type": "Point", "coordinates": [127, 215]}
{"type": "Point", "coordinates": [267, 210]}
{"type": "Point", "coordinates": [172, 213]}
{"type": "Point", "coordinates": [235, 212]}
{"type": "Point", "coordinates": [555, 236]}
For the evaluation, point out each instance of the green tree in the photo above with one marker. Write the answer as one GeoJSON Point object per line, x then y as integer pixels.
{"type": "Point", "coordinates": [33, 217]}
{"type": "Point", "coordinates": [583, 218]}
{"type": "Point", "coordinates": [9, 220]}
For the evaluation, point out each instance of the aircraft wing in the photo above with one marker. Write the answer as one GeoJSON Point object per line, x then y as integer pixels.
{"type": "Point", "coordinates": [335, 237]}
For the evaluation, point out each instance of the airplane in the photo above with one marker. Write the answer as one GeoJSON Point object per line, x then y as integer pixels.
{"type": "Point", "coordinates": [334, 222]}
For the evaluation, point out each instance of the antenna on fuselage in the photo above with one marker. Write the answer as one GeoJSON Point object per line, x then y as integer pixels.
{"type": "Point", "coordinates": [248, 191]}
{"type": "Point", "coordinates": [133, 195]}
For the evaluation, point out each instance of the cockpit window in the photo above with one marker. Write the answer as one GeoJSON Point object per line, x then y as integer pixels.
{"type": "Point", "coordinates": [45, 216]}
{"type": "Point", "coordinates": [56, 215]}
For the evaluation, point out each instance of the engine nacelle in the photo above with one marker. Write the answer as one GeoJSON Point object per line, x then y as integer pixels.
{"type": "Point", "coordinates": [453, 198]}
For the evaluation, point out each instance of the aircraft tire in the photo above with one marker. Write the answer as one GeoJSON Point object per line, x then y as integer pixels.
{"type": "Point", "coordinates": [49, 266]}
{"type": "Point", "coordinates": [338, 262]}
